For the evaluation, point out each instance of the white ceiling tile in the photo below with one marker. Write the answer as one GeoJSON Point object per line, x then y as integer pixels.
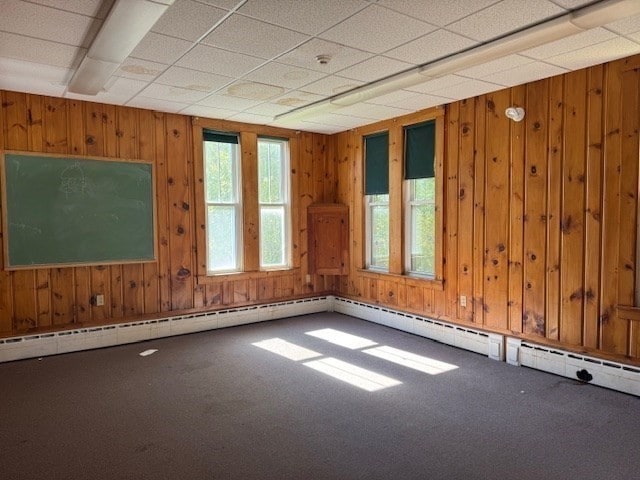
{"type": "Point", "coordinates": [296, 98]}
{"type": "Point", "coordinates": [376, 29]}
{"type": "Point", "coordinates": [193, 79]}
{"type": "Point", "coordinates": [431, 47]}
{"type": "Point", "coordinates": [160, 48]}
{"type": "Point", "coordinates": [315, 127]}
{"type": "Point", "coordinates": [228, 102]}
{"type": "Point", "coordinates": [337, 120]}
{"type": "Point", "coordinates": [251, 118]}
{"type": "Point", "coordinates": [208, 112]}
{"type": "Point", "coordinates": [91, 8]}
{"type": "Point", "coordinates": [332, 85]}
{"type": "Point", "coordinates": [525, 73]}
{"type": "Point", "coordinates": [635, 37]}
{"type": "Point", "coordinates": [572, 4]}
{"type": "Point", "coordinates": [437, 12]}
{"type": "Point", "coordinates": [498, 65]}
{"type": "Point", "coordinates": [264, 40]}
{"type": "Point", "coordinates": [155, 104]}
{"type": "Point", "coordinates": [221, 62]}
{"type": "Point", "coordinates": [307, 16]}
{"type": "Point", "coordinates": [252, 90]}
{"type": "Point", "coordinates": [505, 17]}
{"type": "Point", "coordinates": [30, 85]}
{"type": "Point", "coordinates": [391, 98]}
{"type": "Point", "coordinates": [268, 109]}
{"type": "Point", "coordinates": [467, 89]}
{"type": "Point", "coordinates": [44, 23]}
{"type": "Point", "coordinates": [226, 4]}
{"type": "Point", "coordinates": [596, 54]}
{"type": "Point", "coordinates": [37, 71]}
{"type": "Point", "coordinates": [39, 51]}
{"type": "Point", "coordinates": [174, 94]}
{"type": "Point", "coordinates": [569, 44]}
{"type": "Point", "coordinates": [188, 20]}
{"type": "Point", "coordinates": [369, 110]}
{"type": "Point", "coordinates": [339, 56]}
{"type": "Point", "coordinates": [625, 25]}
{"type": "Point", "coordinates": [284, 75]}
{"type": "Point", "coordinates": [140, 69]}
{"type": "Point", "coordinates": [375, 68]}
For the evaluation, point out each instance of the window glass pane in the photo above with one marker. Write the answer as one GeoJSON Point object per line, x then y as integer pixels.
{"type": "Point", "coordinates": [219, 172]}
{"type": "Point", "coordinates": [221, 238]}
{"type": "Point", "coordinates": [380, 236]}
{"type": "Point", "coordinates": [270, 172]}
{"type": "Point", "coordinates": [272, 236]}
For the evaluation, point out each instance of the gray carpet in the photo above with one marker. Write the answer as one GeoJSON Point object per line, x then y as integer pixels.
{"type": "Point", "coordinates": [214, 406]}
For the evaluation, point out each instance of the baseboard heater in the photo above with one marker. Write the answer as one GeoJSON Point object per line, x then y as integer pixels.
{"type": "Point", "coordinates": [40, 345]}
{"type": "Point", "coordinates": [515, 351]}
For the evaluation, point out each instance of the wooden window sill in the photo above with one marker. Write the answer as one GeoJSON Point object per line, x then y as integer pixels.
{"type": "Point", "coordinates": [628, 312]}
{"type": "Point", "coordinates": [410, 280]}
{"type": "Point", "coordinates": [225, 277]}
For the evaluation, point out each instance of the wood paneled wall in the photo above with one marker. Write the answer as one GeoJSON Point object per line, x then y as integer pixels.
{"type": "Point", "coordinates": [46, 298]}
{"type": "Point", "coordinates": [539, 216]}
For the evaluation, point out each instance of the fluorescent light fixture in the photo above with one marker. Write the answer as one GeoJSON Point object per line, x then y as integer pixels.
{"type": "Point", "coordinates": [125, 26]}
{"type": "Point", "coordinates": [582, 19]}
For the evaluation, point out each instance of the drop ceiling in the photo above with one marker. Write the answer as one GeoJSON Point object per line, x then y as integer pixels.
{"type": "Point", "coordinates": [253, 60]}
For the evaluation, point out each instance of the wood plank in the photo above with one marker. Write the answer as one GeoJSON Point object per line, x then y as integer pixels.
{"type": "Point", "coordinates": [535, 205]}
{"type": "Point", "coordinates": [554, 189]}
{"type": "Point", "coordinates": [295, 211]}
{"type": "Point", "coordinates": [516, 215]}
{"type": "Point", "coordinates": [465, 195]}
{"type": "Point", "coordinates": [180, 231]}
{"type": "Point", "coordinates": [593, 214]}
{"type": "Point", "coordinates": [305, 198]}
{"type": "Point", "coordinates": [151, 288]}
{"type": "Point", "coordinates": [117, 294]}
{"type": "Point", "coordinates": [127, 133]}
{"type": "Point", "coordinates": [100, 285]}
{"type": "Point", "coordinates": [15, 120]}
{"type": "Point", "coordinates": [82, 304]}
{"type": "Point", "coordinates": [55, 125]}
{"type": "Point", "coordinates": [43, 294]}
{"type": "Point", "coordinates": [214, 294]}
{"type": "Point", "coordinates": [479, 210]}
{"type": "Point", "coordinates": [109, 121]}
{"type": "Point", "coordinates": [76, 133]}
{"type": "Point", "coordinates": [613, 331]}
{"type": "Point", "coordinates": [133, 289]}
{"type": "Point", "coordinates": [94, 124]}
{"type": "Point", "coordinates": [35, 122]}
{"type": "Point", "coordinates": [497, 211]}
{"type": "Point", "coordinates": [451, 222]}
{"type": "Point", "coordinates": [396, 180]}
{"type": "Point", "coordinates": [251, 214]}
{"type": "Point", "coordinates": [24, 300]}
{"type": "Point", "coordinates": [62, 289]}
{"type": "Point", "coordinates": [162, 215]}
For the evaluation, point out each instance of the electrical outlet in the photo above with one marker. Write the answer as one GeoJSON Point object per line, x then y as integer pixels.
{"type": "Point", "coordinates": [99, 300]}
{"type": "Point", "coordinates": [308, 278]}
{"type": "Point", "coordinates": [463, 300]}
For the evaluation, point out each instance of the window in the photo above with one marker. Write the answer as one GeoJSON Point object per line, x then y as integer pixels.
{"type": "Point", "coordinates": [222, 199]}
{"type": "Point", "coordinates": [420, 199]}
{"type": "Point", "coordinates": [376, 151]}
{"type": "Point", "coordinates": [273, 200]}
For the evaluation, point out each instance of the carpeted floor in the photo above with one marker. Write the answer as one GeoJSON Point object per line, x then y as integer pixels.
{"type": "Point", "coordinates": [215, 406]}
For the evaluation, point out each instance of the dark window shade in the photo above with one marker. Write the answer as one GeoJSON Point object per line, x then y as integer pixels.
{"type": "Point", "coordinates": [376, 164]}
{"type": "Point", "coordinates": [420, 149]}
{"type": "Point", "coordinates": [220, 137]}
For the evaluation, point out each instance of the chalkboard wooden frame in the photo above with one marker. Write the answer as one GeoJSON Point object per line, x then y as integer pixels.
{"type": "Point", "coordinates": [145, 208]}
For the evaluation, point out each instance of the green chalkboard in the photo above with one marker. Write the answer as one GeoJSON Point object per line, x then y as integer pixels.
{"type": "Point", "coordinates": [72, 210]}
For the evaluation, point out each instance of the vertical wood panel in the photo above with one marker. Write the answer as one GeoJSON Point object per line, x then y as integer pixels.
{"type": "Point", "coordinates": [305, 198]}
{"type": "Point", "coordinates": [43, 293]}
{"type": "Point", "coordinates": [251, 214]}
{"type": "Point", "coordinates": [593, 214]}
{"type": "Point", "coordinates": [62, 288]}
{"type": "Point", "coordinates": [82, 308]}
{"type": "Point", "coordinates": [466, 169]}
{"type": "Point", "coordinates": [55, 125]}
{"type": "Point", "coordinates": [554, 178]}
{"type": "Point", "coordinates": [535, 219]}
{"type": "Point", "coordinates": [100, 285]}
{"type": "Point", "coordinates": [180, 231]}
{"type": "Point", "coordinates": [497, 211]}
{"type": "Point", "coordinates": [162, 215]}
{"type": "Point", "coordinates": [516, 214]}
{"type": "Point", "coordinates": [15, 121]}
{"type": "Point", "coordinates": [451, 214]}
{"type": "Point", "coordinates": [479, 211]}
{"type": "Point", "coordinates": [612, 329]}
{"type": "Point", "coordinates": [25, 311]}
{"type": "Point", "coordinates": [396, 171]}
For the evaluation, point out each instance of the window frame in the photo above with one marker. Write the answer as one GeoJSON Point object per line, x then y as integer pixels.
{"type": "Point", "coordinates": [408, 203]}
{"type": "Point", "coordinates": [285, 188]}
{"type": "Point", "coordinates": [237, 207]}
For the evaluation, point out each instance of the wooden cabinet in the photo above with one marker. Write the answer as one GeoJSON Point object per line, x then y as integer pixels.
{"type": "Point", "coordinates": [328, 252]}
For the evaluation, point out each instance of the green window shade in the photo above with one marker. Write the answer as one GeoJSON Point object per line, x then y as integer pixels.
{"type": "Point", "coordinates": [376, 164]}
{"type": "Point", "coordinates": [419, 157]}
{"type": "Point", "coordinates": [220, 137]}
